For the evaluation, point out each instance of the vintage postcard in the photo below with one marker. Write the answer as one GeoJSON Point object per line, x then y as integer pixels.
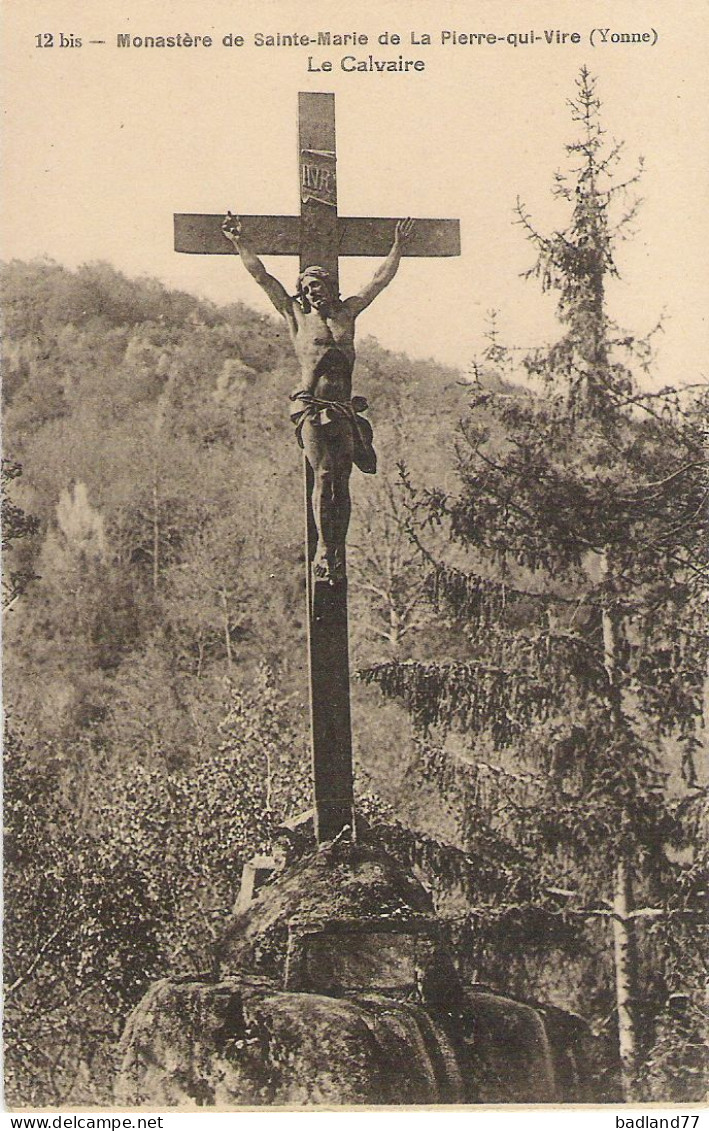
{"type": "Point", "coordinates": [354, 579]}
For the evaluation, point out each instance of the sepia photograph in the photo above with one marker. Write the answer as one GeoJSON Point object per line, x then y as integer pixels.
{"type": "Point", "coordinates": [354, 525]}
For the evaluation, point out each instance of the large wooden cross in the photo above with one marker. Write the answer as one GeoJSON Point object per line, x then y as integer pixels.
{"type": "Point", "coordinates": [320, 236]}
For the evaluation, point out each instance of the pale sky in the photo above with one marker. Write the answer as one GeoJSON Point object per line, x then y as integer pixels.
{"type": "Point", "coordinates": [102, 144]}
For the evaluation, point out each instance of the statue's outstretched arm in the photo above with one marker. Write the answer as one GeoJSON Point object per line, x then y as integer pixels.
{"type": "Point", "coordinates": [231, 228]}
{"type": "Point", "coordinates": [385, 272]}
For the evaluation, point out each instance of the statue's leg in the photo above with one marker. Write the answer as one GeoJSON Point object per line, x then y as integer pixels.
{"type": "Point", "coordinates": [321, 461]}
{"type": "Point", "coordinates": [329, 449]}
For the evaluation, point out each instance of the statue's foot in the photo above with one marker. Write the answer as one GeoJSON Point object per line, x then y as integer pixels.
{"type": "Point", "coordinates": [329, 569]}
{"type": "Point", "coordinates": [321, 569]}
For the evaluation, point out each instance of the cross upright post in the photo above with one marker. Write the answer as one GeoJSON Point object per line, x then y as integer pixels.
{"type": "Point", "coordinates": [320, 236]}
{"type": "Point", "coordinates": [328, 648]}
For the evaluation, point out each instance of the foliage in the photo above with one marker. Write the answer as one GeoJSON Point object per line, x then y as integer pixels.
{"type": "Point", "coordinates": [576, 568]}
{"type": "Point", "coordinates": [17, 525]}
{"type": "Point", "coordinates": [192, 828]}
{"type": "Point", "coordinates": [140, 891]}
{"type": "Point", "coordinates": [385, 572]}
{"type": "Point", "coordinates": [81, 935]}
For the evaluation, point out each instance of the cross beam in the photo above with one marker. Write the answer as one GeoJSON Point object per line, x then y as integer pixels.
{"type": "Point", "coordinates": [320, 236]}
{"type": "Point", "coordinates": [280, 235]}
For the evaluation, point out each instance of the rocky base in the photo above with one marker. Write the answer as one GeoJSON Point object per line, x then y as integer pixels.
{"type": "Point", "coordinates": [242, 1043]}
{"type": "Point", "coordinates": [337, 988]}
{"type": "Point", "coordinates": [237, 1043]}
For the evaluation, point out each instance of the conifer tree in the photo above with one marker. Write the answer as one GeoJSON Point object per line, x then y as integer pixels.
{"type": "Point", "coordinates": [576, 570]}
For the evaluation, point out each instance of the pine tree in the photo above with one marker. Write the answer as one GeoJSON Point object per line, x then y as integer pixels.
{"type": "Point", "coordinates": [576, 569]}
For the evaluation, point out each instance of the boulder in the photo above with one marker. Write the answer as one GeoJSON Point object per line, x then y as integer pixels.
{"type": "Point", "coordinates": [239, 1043]}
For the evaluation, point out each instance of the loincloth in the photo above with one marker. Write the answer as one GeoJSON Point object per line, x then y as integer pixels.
{"type": "Point", "coordinates": [320, 412]}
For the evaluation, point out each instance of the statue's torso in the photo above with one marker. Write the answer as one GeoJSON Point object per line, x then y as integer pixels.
{"type": "Point", "coordinates": [324, 347]}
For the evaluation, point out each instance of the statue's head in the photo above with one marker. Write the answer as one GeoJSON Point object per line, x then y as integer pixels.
{"type": "Point", "coordinates": [316, 288]}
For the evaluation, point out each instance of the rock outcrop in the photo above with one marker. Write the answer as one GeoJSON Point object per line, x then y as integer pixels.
{"type": "Point", "coordinates": [335, 987]}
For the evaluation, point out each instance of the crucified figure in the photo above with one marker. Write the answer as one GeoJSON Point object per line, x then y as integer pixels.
{"type": "Point", "coordinates": [327, 417]}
